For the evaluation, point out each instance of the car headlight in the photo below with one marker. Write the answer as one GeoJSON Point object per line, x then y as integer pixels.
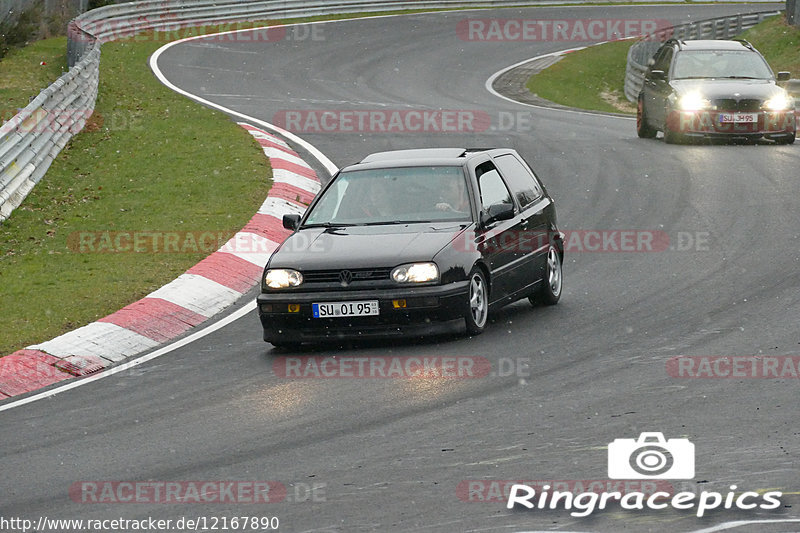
{"type": "Point", "coordinates": [779, 102]}
{"type": "Point", "coordinates": [282, 278]}
{"type": "Point", "coordinates": [416, 273]}
{"type": "Point", "coordinates": [693, 101]}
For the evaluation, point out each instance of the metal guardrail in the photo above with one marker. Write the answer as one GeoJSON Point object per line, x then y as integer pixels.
{"type": "Point", "coordinates": [642, 51]}
{"type": "Point", "coordinates": [33, 137]}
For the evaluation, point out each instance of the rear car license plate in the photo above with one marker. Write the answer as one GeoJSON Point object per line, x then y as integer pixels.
{"type": "Point", "coordinates": [343, 309]}
{"type": "Point", "coordinates": [738, 118]}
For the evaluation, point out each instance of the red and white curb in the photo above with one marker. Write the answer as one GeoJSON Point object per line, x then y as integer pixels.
{"type": "Point", "coordinates": [201, 292]}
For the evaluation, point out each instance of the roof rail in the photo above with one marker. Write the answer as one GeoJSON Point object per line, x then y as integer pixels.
{"type": "Point", "coordinates": [475, 150]}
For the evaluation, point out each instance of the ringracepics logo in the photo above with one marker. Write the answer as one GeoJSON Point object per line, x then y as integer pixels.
{"type": "Point", "coordinates": [562, 30]}
{"type": "Point", "coordinates": [651, 456]}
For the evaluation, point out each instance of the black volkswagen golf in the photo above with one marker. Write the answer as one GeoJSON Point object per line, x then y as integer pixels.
{"type": "Point", "coordinates": [407, 240]}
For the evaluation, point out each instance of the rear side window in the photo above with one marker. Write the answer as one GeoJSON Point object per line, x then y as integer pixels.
{"type": "Point", "coordinates": [663, 60]}
{"type": "Point", "coordinates": [493, 190]}
{"type": "Point", "coordinates": [519, 178]}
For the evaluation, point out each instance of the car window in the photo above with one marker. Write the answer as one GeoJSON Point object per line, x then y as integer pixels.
{"type": "Point", "coordinates": [663, 61]}
{"type": "Point", "coordinates": [394, 195]}
{"type": "Point", "coordinates": [493, 189]}
{"type": "Point", "coordinates": [519, 178]}
{"type": "Point", "coordinates": [720, 64]}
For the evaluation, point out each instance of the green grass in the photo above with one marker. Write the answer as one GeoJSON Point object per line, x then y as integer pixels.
{"type": "Point", "coordinates": [23, 76]}
{"type": "Point", "coordinates": [778, 42]}
{"type": "Point", "coordinates": [592, 78]}
{"type": "Point", "coordinates": [151, 160]}
{"type": "Point", "coordinates": [601, 69]}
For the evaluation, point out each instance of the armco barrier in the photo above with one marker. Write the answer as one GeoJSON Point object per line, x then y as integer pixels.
{"type": "Point", "coordinates": [33, 137]}
{"type": "Point", "coordinates": [719, 28]}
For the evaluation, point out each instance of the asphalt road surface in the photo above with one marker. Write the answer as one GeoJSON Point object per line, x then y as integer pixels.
{"type": "Point", "coordinates": [420, 454]}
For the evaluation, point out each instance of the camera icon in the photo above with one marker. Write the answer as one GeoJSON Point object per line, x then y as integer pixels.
{"type": "Point", "coordinates": [651, 457]}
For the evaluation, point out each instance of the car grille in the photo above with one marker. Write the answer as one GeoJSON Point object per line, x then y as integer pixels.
{"type": "Point", "coordinates": [358, 275]}
{"type": "Point", "coordinates": [731, 104]}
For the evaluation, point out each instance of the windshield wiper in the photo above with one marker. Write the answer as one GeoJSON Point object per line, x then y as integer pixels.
{"type": "Point", "coordinates": [326, 225]}
{"type": "Point", "coordinates": [389, 222]}
{"type": "Point", "coordinates": [740, 78]}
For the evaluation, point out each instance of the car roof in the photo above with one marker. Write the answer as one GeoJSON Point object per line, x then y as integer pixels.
{"type": "Point", "coordinates": [712, 44]}
{"type": "Point", "coordinates": [422, 157]}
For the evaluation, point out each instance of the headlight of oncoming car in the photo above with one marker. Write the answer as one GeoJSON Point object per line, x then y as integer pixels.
{"type": "Point", "coordinates": [416, 273]}
{"type": "Point", "coordinates": [693, 101]}
{"type": "Point", "coordinates": [282, 278]}
{"type": "Point", "coordinates": [779, 102]}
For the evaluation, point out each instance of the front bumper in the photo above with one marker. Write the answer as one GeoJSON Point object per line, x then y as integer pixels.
{"type": "Point", "coordinates": [770, 124]}
{"type": "Point", "coordinates": [426, 307]}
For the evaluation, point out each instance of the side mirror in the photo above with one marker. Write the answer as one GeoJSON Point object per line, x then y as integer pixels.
{"type": "Point", "coordinates": [784, 75]}
{"type": "Point", "coordinates": [291, 222]}
{"type": "Point", "coordinates": [501, 211]}
{"type": "Point", "coordinates": [657, 75]}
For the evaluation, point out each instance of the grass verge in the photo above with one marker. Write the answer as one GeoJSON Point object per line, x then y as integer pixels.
{"type": "Point", "coordinates": [24, 76]}
{"type": "Point", "coordinates": [592, 78]}
{"type": "Point", "coordinates": [601, 69]}
{"type": "Point", "coordinates": [150, 160]}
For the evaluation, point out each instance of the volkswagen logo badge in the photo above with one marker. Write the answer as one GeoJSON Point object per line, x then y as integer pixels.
{"type": "Point", "coordinates": [345, 277]}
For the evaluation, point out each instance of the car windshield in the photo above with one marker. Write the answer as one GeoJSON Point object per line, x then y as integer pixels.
{"type": "Point", "coordinates": [736, 64]}
{"type": "Point", "coordinates": [394, 196]}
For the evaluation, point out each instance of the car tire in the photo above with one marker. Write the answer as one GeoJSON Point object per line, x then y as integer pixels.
{"type": "Point", "coordinates": [549, 292]}
{"type": "Point", "coordinates": [476, 315]}
{"type": "Point", "coordinates": [643, 128]}
{"type": "Point", "coordinates": [673, 137]}
{"type": "Point", "coordinates": [786, 140]}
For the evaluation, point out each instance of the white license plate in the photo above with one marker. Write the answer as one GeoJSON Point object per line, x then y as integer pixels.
{"type": "Point", "coordinates": [738, 118]}
{"type": "Point", "coordinates": [342, 309]}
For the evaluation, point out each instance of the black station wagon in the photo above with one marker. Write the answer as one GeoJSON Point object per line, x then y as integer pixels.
{"type": "Point", "coordinates": [405, 241]}
{"type": "Point", "coordinates": [705, 88]}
